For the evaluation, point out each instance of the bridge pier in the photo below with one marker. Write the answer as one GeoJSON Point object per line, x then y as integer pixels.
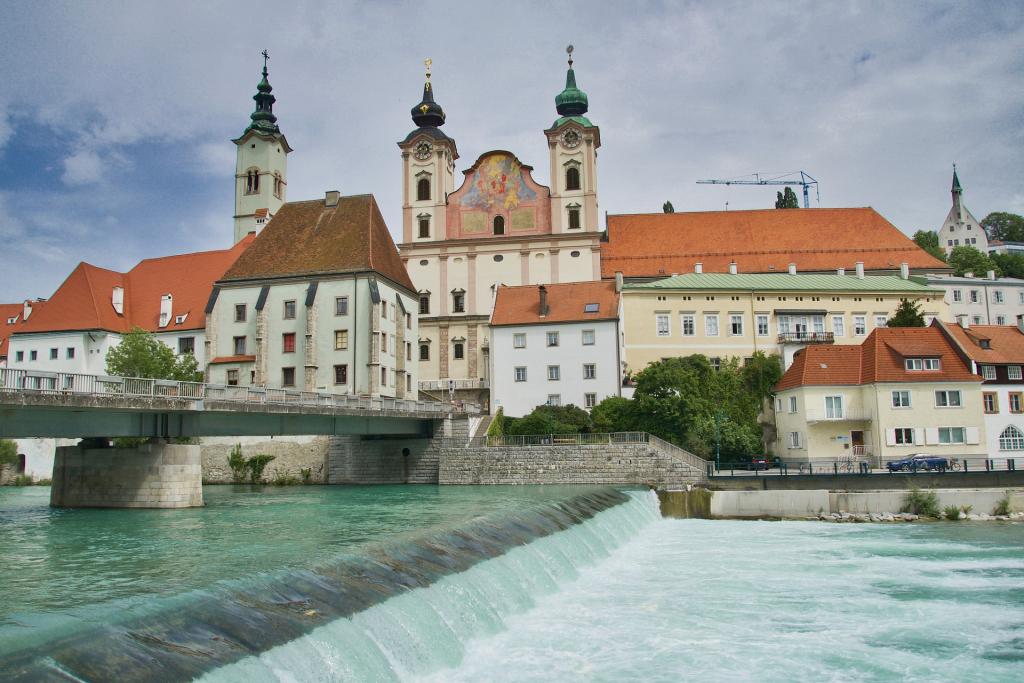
{"type": "Point", "coordinates": [153, 475]}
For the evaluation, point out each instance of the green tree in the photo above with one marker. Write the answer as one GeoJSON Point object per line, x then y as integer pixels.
{"type": "Point", "coordinates": [140, 354]}
{"type": "Point", "coordinates": [668, 208]}
{"type": "Point", "coordinates": [970, 260]}
{"type": "Point", "coordinates": [929, 241]}
{"type": "Point", "coordinates": [908, 314]}
{"type": "Point", "coordinates": [1010, 265]}
{"type": "Point", "coordinates": [761, 374]}
{"type": "Point", "coordinates": [1005, 227]}
{"type": "Point", "coordinates": [8, 452]}
{"type": "Point", "coordinates": [545, 419]}
{"type": "Point", "coordinates": [786, 199]}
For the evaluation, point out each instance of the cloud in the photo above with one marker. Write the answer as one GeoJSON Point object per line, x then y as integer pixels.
{"type": "Point", "coordinates": [84, 167]}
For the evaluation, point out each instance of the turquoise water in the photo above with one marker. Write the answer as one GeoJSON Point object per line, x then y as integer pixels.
{"type": "Point", "coordinates": [621, 596]}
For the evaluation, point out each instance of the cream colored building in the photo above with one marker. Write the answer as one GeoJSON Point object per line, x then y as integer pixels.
{"type": "Point", "coordinates": [961, 228]}
{"type": "Point", "coordinates": [498, 227]}
{"type": "Point", "coordinates": [723, 315]}
{"type": "Point", "coordinates": [902, 391]}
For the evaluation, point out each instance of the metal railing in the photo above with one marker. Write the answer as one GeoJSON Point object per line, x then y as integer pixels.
{"type": "Point", "coordinates": [862, 465]}
{"type": "Point", "coordinates": [806, 338]}
{"type": "Point", "coordinates": [69, 383]}
{"type": "Point", "coordinates": [443, 384]}
{"type": "Point", "coordinates": [525, 440]}
{"type": "Point", "coordinates": [674, 451]}
{"type": "Point", "coordinates": [846, 414]}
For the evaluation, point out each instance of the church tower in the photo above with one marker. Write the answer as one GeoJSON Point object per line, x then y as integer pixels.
{"type": "Point", "coordinates": [261, 169]}
{"type": "Point", "coordinates": [961, 228]}
{"type": "Point", "coordinates": [428, 171]}
{"type": "Point", "coordinates": [572, 145]}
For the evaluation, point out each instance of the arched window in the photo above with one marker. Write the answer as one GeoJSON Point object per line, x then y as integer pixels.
{"type": "Point", "coordinates": [252, 181]}
{"type": "Point", "coordinates": [499, 225]}
{"type": "Point", "coordinates": [423, 189]}
{"type": "Point", "coordinates": [572, 178]}
{"type": "Point", "coordinates": [1012, 439]}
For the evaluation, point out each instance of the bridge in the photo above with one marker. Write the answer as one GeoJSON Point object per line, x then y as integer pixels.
{"type": "Point", "coordinates": [71, 405]}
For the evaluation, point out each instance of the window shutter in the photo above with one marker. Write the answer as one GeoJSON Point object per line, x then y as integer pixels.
{"type": "Point", "coordinates": [890, 437]}
{"type": "Point", "coordinates": [919, 436]}
{"type": "Point", "coordinates": [931, 436]}
{"type": "Point", "coordinates": [972, 435]}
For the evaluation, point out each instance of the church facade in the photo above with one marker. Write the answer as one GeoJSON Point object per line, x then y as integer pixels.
{"type": "Point", "coordinates": [961, 228]}
{"type": "Point", "coordinates": [499, 226]}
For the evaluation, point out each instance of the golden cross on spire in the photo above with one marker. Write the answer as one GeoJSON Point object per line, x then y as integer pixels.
{"type": "Point", "coordinates": [427, 62]}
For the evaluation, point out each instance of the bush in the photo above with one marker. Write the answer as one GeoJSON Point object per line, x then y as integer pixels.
{"type": "Point", "coordinates": [923, 503]}
{"type": "Point", "coordinates": [497, 426]}
{"type": "Point", "coordinates": [545, 419]}
{"type": "Point", "coordinates": [952, 513]}
{"type": "Point", "coordinates": [282, 478]}
{"type": "Point", "coordinates": [257, 464]}
{"type": "Point", "coordinates": [130, 441]}
{"type": "Point", "coordinates": [8, 452]}
{"type": "Point", "coordinates": [23, 480]}
{"type": "Point", "coordinates": [307, 475]}
{"type": "Point", "coordinates": [1002, 508]}
{"type": "Point", "coordinates": [237, 463]}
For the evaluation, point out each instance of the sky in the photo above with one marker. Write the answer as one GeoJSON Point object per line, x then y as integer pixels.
{"type": "Point", "coordinates": [116, 119]}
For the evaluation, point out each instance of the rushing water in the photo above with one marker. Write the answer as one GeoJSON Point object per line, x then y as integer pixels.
{"type": "Point", "coordinates": [618, 595]}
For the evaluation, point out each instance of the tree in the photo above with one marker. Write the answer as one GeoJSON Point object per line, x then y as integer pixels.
{"type": "Point", "coordinates": [970, 260]}
{"type": "Point", "coordinates": [8, 452]}
{"type": "Point", "coordinates": [761, 374]}
{"type": "Point", "coordinates": [908, 314]}
{"type": "Point", "coordinates": [1010, 265]}
{"type": "Point", "coordinates": [545, 419]}
{"type": "Point", "coordinates": [668, 208]}
{"type": "Point", "coordinates": [786, 199]}
{"type": "Point", "coordinates": [140, 354]}
{"type": "Point", "coordinates": [1005, 227]}
{"type": "Point", "coordinates": [929, 241]}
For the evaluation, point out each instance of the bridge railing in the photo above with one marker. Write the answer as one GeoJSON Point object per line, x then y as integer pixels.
{"type": "Point", "coordinates": [18, 380]}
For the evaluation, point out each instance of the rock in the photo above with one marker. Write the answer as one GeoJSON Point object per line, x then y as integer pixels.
{"type": "Point", "coordinates": [911, 517]}
{"type": "Point", "coordinates": [973, 517]}
{"type": "Point", "coordinates": [887, 517]}
{"type": "Point", "coordinates": [875, 517]}
{"type": "Point", "coordinates": [962, 515]}
{"type": "Point", "coordinates": [835, 515]}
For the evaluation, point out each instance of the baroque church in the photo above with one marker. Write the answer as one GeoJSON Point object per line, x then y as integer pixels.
{"type": "Point", "coordinates": [498, 225]}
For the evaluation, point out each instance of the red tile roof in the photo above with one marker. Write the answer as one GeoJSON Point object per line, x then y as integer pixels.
{"type": "Point", "coordinates": [1006, 342]}
{"type": "Point", "coordinates": [7, 311]}
{"type": "Point", "coordinates": [311, 238]}
{"type": "Point", "coordinates": [762, 241]}
{"type": "Point", "coordinates": [233, 359]}
{"type": "Point", "coordinates": [566, 302]}
{"type": "Point", "coordinates": [879, 359]}
{"type": "Point", "coordinates": [83, 301]}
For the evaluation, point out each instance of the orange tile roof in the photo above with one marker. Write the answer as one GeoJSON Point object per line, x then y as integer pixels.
{"type": "Point", "coordinates": [83, 300]}
{"type": "Point", "coordinates": [8, 311]}
{"type": "Point", "coordinates": [233, 359]}
{"type": "Point", "coordinates": [566, 301]}
{"type": "Point", "coordinates": [310, 238]}
{"type": "Point", "coordinates": [761, 241]}
{"type": "Point", "coordinates": [1006, 342]}
{"type": "Point", "coordinates": [880, 358]}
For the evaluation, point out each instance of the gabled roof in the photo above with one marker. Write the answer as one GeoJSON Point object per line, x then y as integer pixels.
{"type": "Point", "coordinates": [880, 358]}
{"type": "Point", "coordinates": [84, 300]}
{"type": "Point", "coordinates": [311, 238]}
{"type": "Point", "coordinates": [1006, 342]}
{"type": "Point", "coordinates": [761, 241]}
{"type": "Point", "coordinates": [567, 302]}
{"type": "Point", "coordinates": [783, 282]}
{"type": "Point", "coordinates": [8, 311]}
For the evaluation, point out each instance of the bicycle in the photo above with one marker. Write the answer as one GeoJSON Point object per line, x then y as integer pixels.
{"type": "Point", "coordinates": [955, 465]}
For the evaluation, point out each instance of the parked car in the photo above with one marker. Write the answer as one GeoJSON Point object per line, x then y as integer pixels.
{"type": "Point", "coordinates": [920, 461]}
{"type": "Point", "coordinates": [758, 462]}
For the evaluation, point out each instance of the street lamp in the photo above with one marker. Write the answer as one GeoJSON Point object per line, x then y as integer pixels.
{"type": "Point", "coordinates": [718, 441]}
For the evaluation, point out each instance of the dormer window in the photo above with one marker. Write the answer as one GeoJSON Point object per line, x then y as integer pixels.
{"type": "Point", "coordinates": [985, 343]}
{"type": "Point", "coordinates": [12, 320]}
{"type": "Point", "coordinates": [180, 319]}
{"type": "Point", "coordinates": [252, 181]}
{"type": "Point", "coordinates": [988, 372]}
{"type": "Point", "coordinates": [922, 364]}
{"type": "Point", "coordinates": [591, 308]}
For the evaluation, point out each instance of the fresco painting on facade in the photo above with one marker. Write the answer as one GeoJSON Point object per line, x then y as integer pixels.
{"type": "Point", "coordinates": [497, 180]}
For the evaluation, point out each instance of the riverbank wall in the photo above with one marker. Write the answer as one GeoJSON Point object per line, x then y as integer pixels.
{"type": "Point", "coordinates": [871, 482]}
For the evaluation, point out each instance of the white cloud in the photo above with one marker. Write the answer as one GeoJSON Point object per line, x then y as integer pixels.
{"type": "Point", "coordinates": [83, 167]}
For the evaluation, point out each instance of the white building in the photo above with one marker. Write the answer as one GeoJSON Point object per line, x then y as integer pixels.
{"type": "Point", "coordinates": [556, 344]}
{"type": "Point", "coordinates": [981, 300]}
{"type": "Point", "coordinates": [319, 302]}
{"type": "Point", "coordinates": [961, 228]}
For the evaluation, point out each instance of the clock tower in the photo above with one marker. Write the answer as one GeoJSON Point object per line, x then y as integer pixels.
{"type": "Point", "coordinates": [261, 167]}
{"type": "Point", "coordinates": [428, 171]}
{"type": "Point", "coordinates": [572, 146]}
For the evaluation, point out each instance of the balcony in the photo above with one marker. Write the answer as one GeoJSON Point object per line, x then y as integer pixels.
{"type": "Point", "coordinates": [845, 415]}
{"type": "Point", "coordinates": [807, 338]}
{"type": "Point", "coordinates": [442, 384]}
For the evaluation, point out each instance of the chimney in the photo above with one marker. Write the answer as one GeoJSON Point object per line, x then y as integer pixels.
{"type": "Point", "coordinates": [331, 198]}
{"type": "Point", "coordinates": [618, 281]}
{"type": "Point", "coordinates": [963, 321]}
{"type": "Point", "coordinates": [840, 271]}
{"type": "Point", "coordinates": [904, 271]}
{"type": "Point", "coordinates": [165, 310]}
{"type": "Point", "coordinates": [732, 268]}
{"type": "Point", "coordinates": [26, 311]}
{"type": "Point", "coordinates": [698, 267]}
{"type": "Point", "coordinates": [543, 300]}
{"type": "Point", "coordinates": [991, 275]}
{"type": "Point", "coordinates": [860, 270]}
{"type": "Point", "coordinates": [117, 300]}
{"type": "Point", "coordinates": [792, 269]}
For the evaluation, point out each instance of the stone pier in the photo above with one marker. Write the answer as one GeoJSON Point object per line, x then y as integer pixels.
{"type": "Point", "coordinates": [154, 475]}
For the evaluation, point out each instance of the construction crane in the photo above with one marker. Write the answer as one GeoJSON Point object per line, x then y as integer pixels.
{"type": "Point", "coordinates": [805, 181]}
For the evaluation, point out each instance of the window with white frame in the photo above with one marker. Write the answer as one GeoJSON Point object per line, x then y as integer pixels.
{"type": "Point", "coordinates": [901, 399]}
{"type": "Point", "coordinates": [711, 325]}
{"type": "Point", "coordinates": [792, 404]}
{"type": "Point", "coordinates": [554, 373]}
{"type": "Point", "coordinates": [958, 296]}
{"type": "Point", "coordinates": [860, 325]}
{"type": "Point", "coordinates": [688, 324]}
{"type": "Point", "coordinates": [976, 319]}
{"type": "Point", "coordinates": [1020, 296]}
{"type": "Point", "coordinates": [589, 400]}
{"type": "Point", "coordinates": [589, 371]}
{"type": "Point", "coordinates": [1011, 439]}
{"type": "Point", "coordinates": [952, 435]}
{"type": "Point", "coordinates": [974, 296]}
{"type": "Point", "coordinates": [662, 325]}
{"type": "Point", "coordinates": [735, 325]}
{"type": "Point", "coordinates": [554, 399]}
{"type": "Point", "coordinates": [519, 340]}
{"type": "Point", "coordinates": [778, 405]}
{"type": "Point", "coordinates": [1013, 372]}
{"type": "Point", "coordinates": [921, 364]}
{"type": "Point", "coordinates": [988, 372]}
{"type": "Point", "coordinates": [881, 319]}
{"type": "Point", "coordinates": [1000, 320]}
{"type": "Point", "coordinates": [947, 399]}
{"type": "Point", "coordinates": [761, 321]}
{"type": "Point", "coordinates": [834, 407]}
{"type": "Point", "coordinates": [783, 324]}
{"type": "Point", "coordinates": [838, 326]}
{"type": "Point", "coordinates": [520, 374]}
{"type": "Point", "coordinates": [997, 296]}
{"type": "Point", "coordinates": [552, 338]}
{"type": "Point", "coordinates": [818, 324]}
{"type": "Point", "coordinates": [794, 440]}
{"type": "Point", "coordinates": [904, 436]}
{"type": "Point", "coordinates": [588, 338]}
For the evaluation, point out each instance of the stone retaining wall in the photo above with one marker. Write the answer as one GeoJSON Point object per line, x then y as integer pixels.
{"type": "Point", "coordinates": [292, 455]}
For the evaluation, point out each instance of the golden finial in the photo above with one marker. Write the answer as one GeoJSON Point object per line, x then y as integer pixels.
{"type": "Point", "coordinates": [427, 62]}
{"type": "Point", "coordinates": [569, 50]}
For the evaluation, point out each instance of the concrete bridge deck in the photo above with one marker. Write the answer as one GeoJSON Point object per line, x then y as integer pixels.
{"type": "Point", "coordinates": [70, 405]}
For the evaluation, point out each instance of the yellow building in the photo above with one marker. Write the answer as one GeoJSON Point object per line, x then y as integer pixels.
{"type": "Point", "coordinates": [723, 315]}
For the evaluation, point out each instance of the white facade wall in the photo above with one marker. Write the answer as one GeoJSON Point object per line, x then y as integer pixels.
{"type": "Point", "coordinates": [269, 156]}
{"type": "Point", "coordinates": [519, 398]}
{"type": "Point", "coordinates": [983, 300]}
{"type": "Point", "coordinates": [997, 422]}
{"type": "Point", "coordinates": [90, 350]}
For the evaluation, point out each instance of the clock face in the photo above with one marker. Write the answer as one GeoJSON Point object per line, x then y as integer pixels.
{"type": "Point", "coordinates": [423, 150]}
{"type": "Point", "coordinates": [571, 138]}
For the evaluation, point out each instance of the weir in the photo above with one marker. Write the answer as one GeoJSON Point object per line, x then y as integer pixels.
{"type": "Point", "coordinates": [200, 632]}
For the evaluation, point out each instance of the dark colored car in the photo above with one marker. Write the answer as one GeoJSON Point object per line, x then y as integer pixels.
{"type": "Point", "coordinates": [758, 462]}
{"type": "Point", "coordinates": [921, 461]}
